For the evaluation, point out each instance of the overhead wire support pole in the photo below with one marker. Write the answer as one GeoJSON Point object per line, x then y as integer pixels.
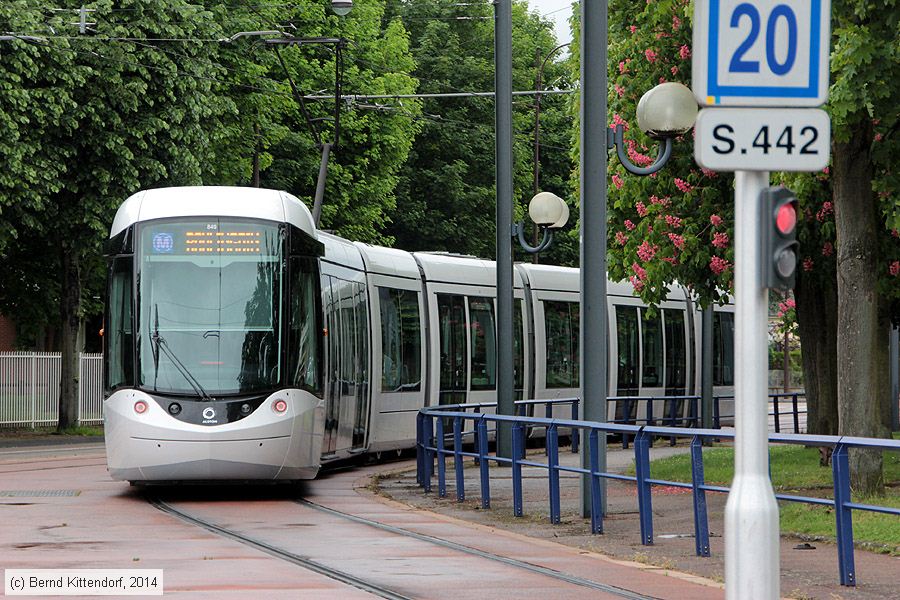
{"type": "Point", "coordinates": [504, 216]}
{"type": "Point", "coordinates": [592, 337]}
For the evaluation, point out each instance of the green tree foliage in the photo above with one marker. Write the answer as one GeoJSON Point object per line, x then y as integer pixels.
{"type": "Point", "coordinates": [269, 127]}
{"type": "Point", "coordinates": [446, 198]}
{"type": "Point", "coordinates": [90, 122]}
{"type": "Point", "coordinates": [149, 96]}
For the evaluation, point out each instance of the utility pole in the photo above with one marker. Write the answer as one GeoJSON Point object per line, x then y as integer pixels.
{"type": "Point", "coordinates": [592, 337]}
{"type": "Point", "coordinates": [504, 219]}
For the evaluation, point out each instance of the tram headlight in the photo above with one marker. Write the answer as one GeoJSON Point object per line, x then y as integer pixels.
{"type": "Point", "coordinates": [280, 406]}
{"type": "Point", "coordinates": [174, 409]}
{"type": "Point", "coordinates": [140, 407]}
{"type": "Point", "coordinates": [246, 409]}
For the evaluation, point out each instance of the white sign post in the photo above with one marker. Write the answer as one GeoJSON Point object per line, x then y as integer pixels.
{"type": "Point", "coordinates": [757, 53]}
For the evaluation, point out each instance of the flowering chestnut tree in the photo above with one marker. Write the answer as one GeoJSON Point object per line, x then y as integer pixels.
{"type": "Point", "coordinates": [676, 225]}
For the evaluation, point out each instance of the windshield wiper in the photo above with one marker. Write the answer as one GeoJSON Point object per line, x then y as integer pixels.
{"type": "Point", "coordinates": [159, 343]}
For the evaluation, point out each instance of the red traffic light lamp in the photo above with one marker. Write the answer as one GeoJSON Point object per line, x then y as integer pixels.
{"type": "Point", "coordinates": [779, 244]}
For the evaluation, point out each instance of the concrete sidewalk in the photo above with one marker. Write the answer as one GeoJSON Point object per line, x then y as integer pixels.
{"type": "Point", "coordinates": [809, 568]}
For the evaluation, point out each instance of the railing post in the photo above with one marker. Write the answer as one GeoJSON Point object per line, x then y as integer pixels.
{"type": "Point", "coordinates": [576, 433]}
{"type": "Point", "coordinates": [796, 413]}
{"type": "Point", "coordinates": [626, 417]}
{"type": "Point", "coordinates": [717, 414]}
{"type": "Point", "coordinates": [553, 472]}
{"type": "Point", "coordinates": [642, 464]}
{"type": "Point", "coordinates": [481, 430]}
{"type": "Point", "coordinates": [777, 414]}
{"type": "Point", "coordinates": [650, 420]}
{"type": "Point", "coordinates": [33, 390]}
{"type": "Point", "coordinates": [428, 465]}
{"type": "Point", "coordinates": [441, 458]}
{"type": "Point", "coordinates": [548, 414]}
{"type": "Point", "coordinates": [701, 519]}
{"type": "Point", "coordinates": [596, 488]}
{"type": "Point", "coordinates": [458, 459]}
{"type": "Point", "coordinates": [840, 466]}
{"type": "Point", "coordinates": [420, 445]}
{"type": "Point", "coordinates": [672, 418]}
{"type": "Point", "coordinates": [518, 448]}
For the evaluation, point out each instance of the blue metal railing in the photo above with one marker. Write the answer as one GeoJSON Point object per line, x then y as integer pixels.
{"type": "Point", "coordinates": [431, 448]}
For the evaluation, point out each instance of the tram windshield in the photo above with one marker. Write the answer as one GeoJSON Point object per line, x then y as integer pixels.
{"type": "Point", "coordinates": [209, 296]}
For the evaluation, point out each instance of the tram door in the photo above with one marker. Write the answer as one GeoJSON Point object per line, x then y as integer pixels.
{"type": "Point", "coordinates": [454, 350]}
{"type": "Point", "coordinates": [628, 359]}
{"type": "Point", "coordinates": [346, 403]}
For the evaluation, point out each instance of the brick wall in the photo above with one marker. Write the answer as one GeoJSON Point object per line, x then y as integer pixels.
{"type": "Point", "coordinates": [7, 334]}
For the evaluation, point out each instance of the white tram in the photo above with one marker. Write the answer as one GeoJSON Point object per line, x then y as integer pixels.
{"type": "Point", "coordinates": [243, 344]}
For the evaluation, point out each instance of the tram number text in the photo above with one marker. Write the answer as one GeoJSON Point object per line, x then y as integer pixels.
{"type": "Point", "coordinates": [786, 141]}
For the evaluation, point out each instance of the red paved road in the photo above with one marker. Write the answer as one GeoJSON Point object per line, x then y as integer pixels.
{"type": "Point", "coordinates": [109, 525]}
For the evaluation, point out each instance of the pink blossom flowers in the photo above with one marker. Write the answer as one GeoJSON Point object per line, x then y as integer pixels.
{"type": "Point", "coordinates": [716, 220]}
{"type": "Point", "coordinates": [639, 271]}
{"type": "Point", "coordinates": [683, 185]}
{"type": "Point", "coordinates": [617, 181]}
{"type": "Point", "coordinates": [684, 52]}
{"type": "Point", "coordinates": [720, 240]}
{"type": "Point", "coordinates": [827, 209]}
{"type": "Point", "coordinates": [646, 251]}
{"type": "Point", "coordinates": [641, 209]}
{"type": "Point", "coordinates": [808, 264]}
{"type": "Point", "coordinates": [708, 172]}
{"type": "Point", "coordinates": [895, 268]}
{"type": "Point", "coordinates": [629, 225]}
{"type": "Point", "coordinates": [673, 221]}
{"type": "Point", "coordinates": [621, 238]}
{"type": "Point", "coordinates": [677, 241]}
{"type": "Point", "coordinates": [718, 265]}
{"type": "Point", "coordinates": [651, 55]}
{"type": "Point", "coordinates": [827, 249]}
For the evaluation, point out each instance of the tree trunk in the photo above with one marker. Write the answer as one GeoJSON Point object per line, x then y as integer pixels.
{"type": "Point", "coordinates": [862, 335]}
{"type": "Point", "coordinates": [70, 319]}
{"type": "Point", "coordinates": [817, 321]}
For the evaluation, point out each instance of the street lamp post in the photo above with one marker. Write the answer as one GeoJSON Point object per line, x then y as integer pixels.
{"type": "Point", "coordinates": [536, 173]}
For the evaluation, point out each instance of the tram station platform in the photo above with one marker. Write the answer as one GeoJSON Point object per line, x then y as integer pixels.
{"type": "Point", "coordinates": [809, 567]}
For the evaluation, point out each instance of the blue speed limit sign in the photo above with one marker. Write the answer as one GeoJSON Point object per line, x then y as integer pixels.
{"type": "Point", "coordinates": [761, 52]}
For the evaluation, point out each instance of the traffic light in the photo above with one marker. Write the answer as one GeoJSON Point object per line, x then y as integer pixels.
{"type": "Point", "coordinates": [779, 237]}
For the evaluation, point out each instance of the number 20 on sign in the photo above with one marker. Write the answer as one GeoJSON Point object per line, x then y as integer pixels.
{"type": "Point", "coordinates": [761, 52]}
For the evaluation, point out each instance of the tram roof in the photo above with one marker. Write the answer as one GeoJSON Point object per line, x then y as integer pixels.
{"type": "Point", "coordinates": [213, 201]}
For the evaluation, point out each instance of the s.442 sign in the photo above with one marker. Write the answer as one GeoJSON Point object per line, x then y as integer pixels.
{"type": "Point", "coordinates": [762, 139]}
{"type": "Point", "coordinates": [761, 52]}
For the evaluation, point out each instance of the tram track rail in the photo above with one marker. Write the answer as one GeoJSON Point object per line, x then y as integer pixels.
{"type": "Point", "coordinates": [277, 552]}
{"type": "Point", "coordinates": [526, 566]}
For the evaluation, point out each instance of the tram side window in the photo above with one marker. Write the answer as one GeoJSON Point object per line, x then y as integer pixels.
{"type": "Point", "coordinates": [484, 343]}
{"type": "Point", "coordinates": [676, 353]}
{"type": "Point", "coordinates": [723, 348]}
{"type": "Point", "coordinates": [119, 334]}
{"type": "Point", "coordinates": [561, 323]}
{"type": "Point", "coordinates": [627, 336]}
{"type": "Point", "coordinates": [401, 340]}
{"type": "Point", "coordinates": [652, 346]}
{"type": "Point", "coordinates": [305, 345]}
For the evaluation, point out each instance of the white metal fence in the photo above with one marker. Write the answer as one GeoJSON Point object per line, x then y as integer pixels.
{"type": "Point", "coordinates": [29, 389]}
